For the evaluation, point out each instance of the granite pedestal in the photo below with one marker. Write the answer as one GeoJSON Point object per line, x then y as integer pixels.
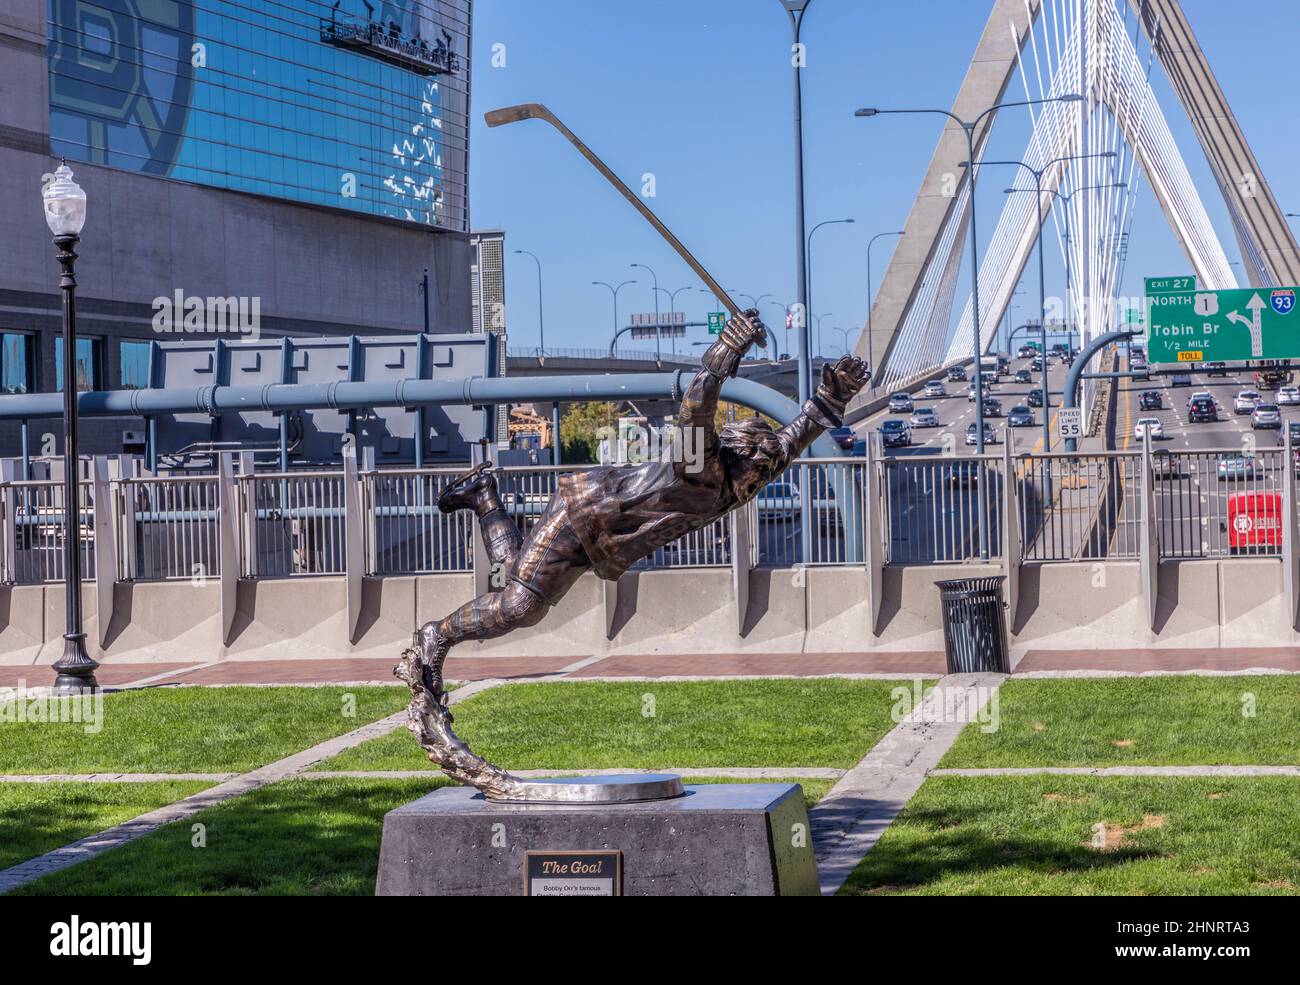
{"type": "Point", "coordinates": [718, 839]}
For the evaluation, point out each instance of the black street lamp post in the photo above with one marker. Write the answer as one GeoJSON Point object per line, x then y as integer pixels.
{"type": "Point", "coordinates": [65, 213]}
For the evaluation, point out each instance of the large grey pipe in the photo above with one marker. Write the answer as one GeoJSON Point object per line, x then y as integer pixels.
{"type": "Point", "coordinates": [277, 397]}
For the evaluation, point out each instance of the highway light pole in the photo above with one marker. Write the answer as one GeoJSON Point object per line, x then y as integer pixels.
{"type": "Point", "coordinates": [655, 291]}
{"type": "Point", "coordinates": [1069, 302]}
{"type": "Point", "coordinates": [65, 214]}
{"type": "Point", "coordinates": [845, 333]}
{"type": "Point", "coordinates": [826, 314]}
{"type": "Point", "coordinates": [785, 324]}
{"type": "Point", "coordinates": [614, 291]}
{"type": "Point", "coordinates": [1042, 283]}
{"type": "Point", "coordinates": [796, 10]}
{"type": "Point", "coordinates": [871, 362]}
{"type": "Point", "coordinates": [808, 291]}
{"type": "Point", "coordinates": [672, 307]}
{"type": "Point", "coordinates": [541, 325]}
{"type": "Point", "coordinates": [968, 127]}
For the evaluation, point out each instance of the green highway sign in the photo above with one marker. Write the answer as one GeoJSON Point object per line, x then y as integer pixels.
{"type": "Point", "coordinates": [1164, 285]}
{"type": "Point", "coordinates": [1223, 326]}
{"type": "Point", "coordinates": [717, 319]}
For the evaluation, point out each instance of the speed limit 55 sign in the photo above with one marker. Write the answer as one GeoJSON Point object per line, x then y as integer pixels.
{"type": "Point", "coordinates": [1069, 422]}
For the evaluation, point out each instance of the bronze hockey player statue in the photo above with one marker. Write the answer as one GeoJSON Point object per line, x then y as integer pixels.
{"type": "Point", "coordinates": [605, 519]}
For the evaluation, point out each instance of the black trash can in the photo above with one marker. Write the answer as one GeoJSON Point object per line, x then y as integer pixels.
{"type": "Point", "coordinates": [974, 632]}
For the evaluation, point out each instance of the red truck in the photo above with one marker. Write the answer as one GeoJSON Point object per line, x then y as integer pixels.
{"type": "Point", "coordinates": [1254, 523]}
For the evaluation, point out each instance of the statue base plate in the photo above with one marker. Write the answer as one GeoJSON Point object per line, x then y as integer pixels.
{"type": "Point", "coordinates": [616, 788]}
{"type": "Point", "coordinates": [715, 839]}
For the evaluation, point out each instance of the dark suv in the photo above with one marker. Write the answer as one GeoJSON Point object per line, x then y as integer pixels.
{"type": "Point", "coordinates": [1202, 411]}
{"type": "Point", "coordinates": [1150, 400]}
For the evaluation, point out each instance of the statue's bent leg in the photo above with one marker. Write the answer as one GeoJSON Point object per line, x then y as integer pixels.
{"type": "Point", "coordinates": [475, 490]}
{"type": "Point", "coordinates": [544, 569]}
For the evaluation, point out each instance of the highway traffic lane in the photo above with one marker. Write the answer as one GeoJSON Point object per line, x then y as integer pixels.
{"type": "Point", "coordinates": [956, 413]}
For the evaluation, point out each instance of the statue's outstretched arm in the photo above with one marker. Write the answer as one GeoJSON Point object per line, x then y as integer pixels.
{"type": "Point", "coordinates": [720, 362]}
{"type": "Point", "coordinates": [825, 408]}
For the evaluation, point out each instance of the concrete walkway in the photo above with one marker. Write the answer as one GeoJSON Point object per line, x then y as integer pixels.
{"type": "Point", "coordinates": [849, 820]}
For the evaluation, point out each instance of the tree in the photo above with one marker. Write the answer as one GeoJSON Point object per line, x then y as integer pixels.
{"type": "Point", "coordinates": [579, 426]}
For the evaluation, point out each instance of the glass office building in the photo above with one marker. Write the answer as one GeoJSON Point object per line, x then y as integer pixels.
{"type": "Point", "coordinates": [353, 105]}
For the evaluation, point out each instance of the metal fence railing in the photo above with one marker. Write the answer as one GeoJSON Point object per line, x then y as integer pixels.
{"type": "Point", "coordinates": [34, 511]}
{"type": "Point", "coordinates": [405, 533]}
{"type": "Point", "coordinates": [167, 527]}
{"type": "Point", "coordinates": [1200, 495]}
{"type": "Point", "coordinates": [836, 493]}
{"type": "Point", "coordinates": [293, 524]}
{"type": "Point", "coordinates": [1075, 507]}
{"type": "Point", "coordinates": [941, 508]}
{"type": "Point", "coordinates": [929, 509]}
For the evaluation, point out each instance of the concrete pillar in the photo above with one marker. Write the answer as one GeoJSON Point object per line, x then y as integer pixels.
{"type": "Point", "coordinates": [873, 548]}
{"type": "Point", "coordinates": [1148, 542]}
{"type": "Point", "coordinates": [1010, 526]}
{"type": "Point", "coordinates": [354, 561]}
{"type": "Point", "coordinates": [1290, 532]}
{"type": "Point", "coordinates": [739, 521]}
{"type": "Point", "coordinates": [105, 546]}
{"type": "Point", "coordinates": [248, 531]}
{"type": "Point", "coordinates": [482, 565]}
{"type": "Point", "coordinates": [229, 541]}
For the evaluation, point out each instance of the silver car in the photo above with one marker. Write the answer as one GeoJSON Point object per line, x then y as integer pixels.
{"type": "Point", "coordinates": [924, 417]}
{"type": "Point", "coordinates": [1245, 401]}
{"type": "Point", "coordinates": [935, 388]}
{"type": "Point", "coordinates": [1265, 416]}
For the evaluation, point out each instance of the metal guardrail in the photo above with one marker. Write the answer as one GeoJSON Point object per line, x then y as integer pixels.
{"type": "Point", "coordinates": [933, 509]}
{"type": "Point", "coordinates": [1071, 505]}
{"type": "Point", "coordinates": [33, 515]}
{"type": "Point", "coordinates": [166, 527]}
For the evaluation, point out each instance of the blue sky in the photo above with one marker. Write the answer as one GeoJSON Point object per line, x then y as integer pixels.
{"type": "Point", "coordinates": [698, 93]}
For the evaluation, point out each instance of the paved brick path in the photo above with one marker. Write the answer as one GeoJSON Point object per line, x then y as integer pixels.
{"type": "Point", "coordinates": [654, 665]}
{"type": "Point", "coordinates": [764, 664]}
{"type": "Point", "coordinates": [1285, 659]}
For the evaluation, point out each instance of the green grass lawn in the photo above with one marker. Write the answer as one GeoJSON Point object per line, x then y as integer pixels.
{"type": "Point", "coordinates": [648, 725]}
{"type": "Point", "coordinates": [293, 838]}
{"type": "Point", "coordinates": [1035, 835]}
{"type": "Point", "coordinates": [194, 730]}
{"type": "Point", "coordinates": [1147, 721]}
{"type": "Point", "coordinates": [36, 818]}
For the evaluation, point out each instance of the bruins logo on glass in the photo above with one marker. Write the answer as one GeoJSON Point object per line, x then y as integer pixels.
{"type": "Point", "coordinates": [120, 81]}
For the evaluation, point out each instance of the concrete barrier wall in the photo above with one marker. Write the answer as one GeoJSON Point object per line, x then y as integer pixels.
{"type": "Point", "coordinates": [1236, 603]}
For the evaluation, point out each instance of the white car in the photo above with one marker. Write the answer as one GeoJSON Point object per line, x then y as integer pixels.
{"type": "Point", "coordinates": [1245, 402]}
{"type": "Point", "coordinates": [1151, 426]}
{"type": "Point", "coordinates": [1288, 396]}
